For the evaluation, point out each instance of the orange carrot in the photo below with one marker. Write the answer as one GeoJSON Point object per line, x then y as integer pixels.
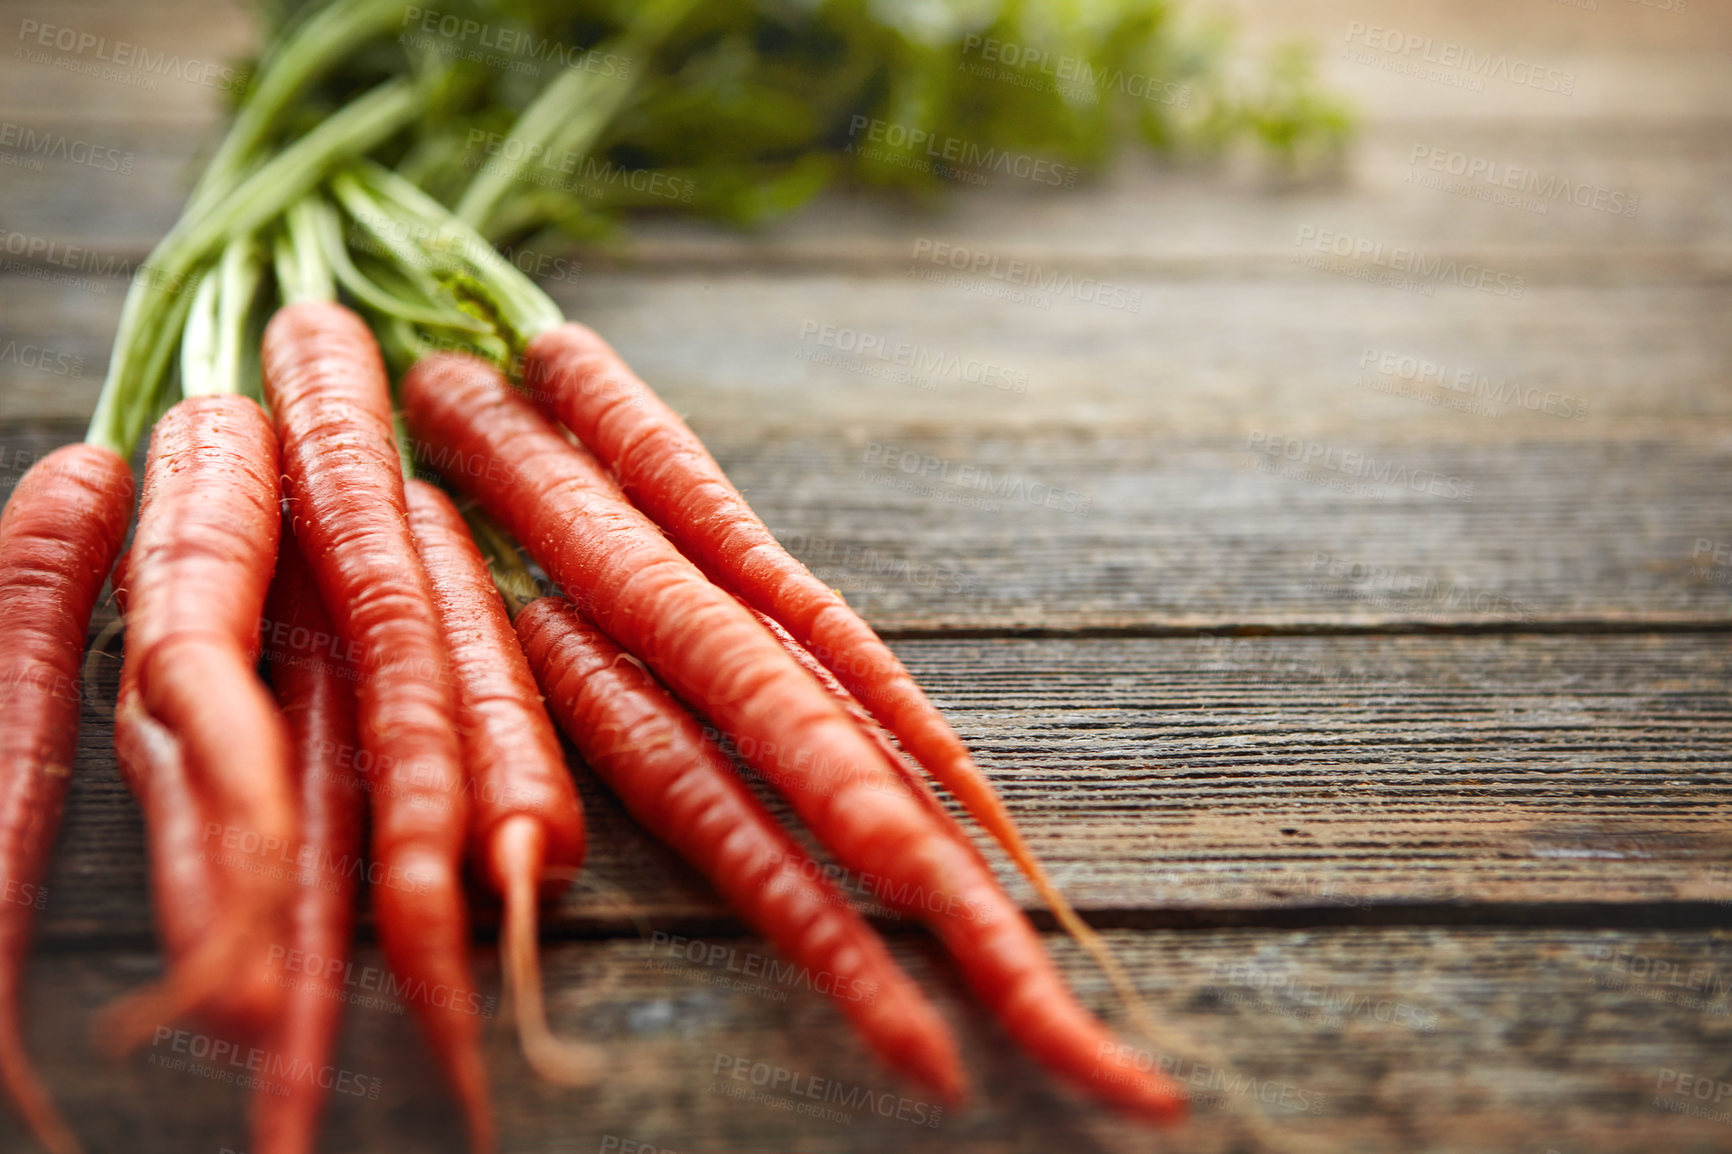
{"type": "Point", "coordinates": [183, 878]}
{"type": "Point", "coordinates": [641, 591]}
{"type": "Point", "coordinates": [181, 843]}
{"type": "Point", "coordinates": [666, 470]}
{"type": "Point", "coordinates": [315, 688]}
{"type": "Point", "coordinates": [58, 537]}
{"type": "Point", "coordinates": [529, 833]}
{"type": "Point", "coordinates": [869, 725]}
{"type": "Point", "coordinates": [326, 384]}
{"type": "Point", "coordinates": [200, 562]}
{"type": "Point", "coordinates": [678, 785]}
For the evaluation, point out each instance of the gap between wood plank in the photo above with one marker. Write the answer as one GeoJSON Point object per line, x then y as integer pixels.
{"type": "Point", "coordinates": [1678, 915]}
{"type": "Point", "coordinates": [1562, 627]}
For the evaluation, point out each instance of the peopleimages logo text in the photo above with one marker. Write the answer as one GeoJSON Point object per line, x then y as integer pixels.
{"type": "Point", "coordinates": [1461, 58]}
{"type": "Point", "coordinates": [1499, 174]}
{"type": "Point", "coordinates": [1026, 274]}
{"type": "Point", "coordinates": [1361, 466]}
{"type": "Point", "coordinates": [76, 43]}
{"type": "Point", "coordinates": [1398, 258]}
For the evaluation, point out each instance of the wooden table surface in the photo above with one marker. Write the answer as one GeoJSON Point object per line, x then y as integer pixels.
{"type": "Point", "coordinates": [1367, 678]}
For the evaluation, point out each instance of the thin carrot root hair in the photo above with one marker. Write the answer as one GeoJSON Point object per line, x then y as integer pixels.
{"type": "Point", "coordinates": [911, 772]}
{"type": "Point", "coordinates": [517, 855]}
{"type": "Point", "coordinates": [1090, 939]}
{"type": "Point", "coordinates": [98, 651]}
{"type": "Point", "coordinates": [1141, 1018]}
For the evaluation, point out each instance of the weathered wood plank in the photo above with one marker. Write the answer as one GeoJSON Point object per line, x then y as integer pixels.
{"type": "Point", "coordinates": [1170, 780]}
{"type": "Point", "coordinates": [1592, 60]}
{"type": "Point", "coordinates": [926, 529]}
{"type": "Point", "coordinates": [104, 64]}
{"type": "Point", "coordinates": [1190, 534]}
{"type": "Point", "coordinates": [1443, 1040]}
{"type": "Point", "coordinates": [1178, 779]}
{"type": "Point", "coordinates": [1632, 27]}
{"type": "Point", "coordinates": [1209, 358]}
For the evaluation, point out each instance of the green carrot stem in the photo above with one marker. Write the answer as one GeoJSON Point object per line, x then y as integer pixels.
{"type": "Point", "coordinates": [214, 337]}
{"type": "Point", "coordinates": [389, 235]}
{"type": "Point", "coordinates": [198, 339]}
{"type": "Point", "coordinates": [325, 224]}
{"type": "Point", "coordinates": [241, 272]}
{"type": "Point", "coordinates": [158, 353]}
{"type": "Point", "coordinates": [454, 251]}
{"type": "Point", "coordinates": [303, 273]}
{"type": "Point", "coordinates": [571, 112]}
{"type": "Point", "coordinates": [304, 52]}
{"type": "Point", "coordinates": [265, 194]}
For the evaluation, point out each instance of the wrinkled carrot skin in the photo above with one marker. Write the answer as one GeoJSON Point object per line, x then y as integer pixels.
{"type": "Point", "coordinates": [188, 904]}
{"type": "Point", "coordinates": [665, 468]}
{"type": "Point", "coordinates": [201, 560]}
{"type": "Point", "coordinates": [326, 383]}
{"type": "Point", "coordinates": [653, 754]}
{"type": "Point", "coordinates": [667, 472]}
{"type": "Point", "coordinates": [639, 590]}
{"type": "Point", "coordinates": [315, 689]}
{"type": "Point", "coordinates": [1009, 984]}
{"type": "Point", "coordinates": [868, 724]}
{"type": "Point", "coordinates": [59, 534]}
{"type": "Point", "coordinates": [510, 747]}
{"type": "Point", "coordinates": [528, 831]}
{"type": "Point", "coordinates": [183, 875]}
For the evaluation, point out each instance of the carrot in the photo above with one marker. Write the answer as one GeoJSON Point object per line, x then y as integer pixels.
{"type": "Point", "coordinates": [637, 588]}
{"type": "Point", "coordinates": [529, 834]}
{"type": "Point", "coordinates": [869, 725]}
{"type": "Point", "coordinates": [201, 559]}
{"type": "Point", "coordinates": [188, 906]}
{"type": "Point", "coordinates": [179, 840]}
{"type": "Point", "coordinates": [678, 785]}
{"type": "Point", "coordinates": [58, 536]}
{"type": "Point", "coordinates": [666, 470]}
{"type": "Point", "coordinates": [315, 689]}
{"type": "Point", "coordinates": [326, 384]}
{"type": "Point", "coordinates": [153, 765]}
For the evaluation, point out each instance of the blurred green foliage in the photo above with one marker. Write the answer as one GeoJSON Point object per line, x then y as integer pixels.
{"type": "Point", "coordinates": [747, 108]}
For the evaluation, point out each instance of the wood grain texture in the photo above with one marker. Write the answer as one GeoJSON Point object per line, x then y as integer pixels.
{"type": "Point", "coordinates": [1208, 359]}
{"type": "Point", "coordinates": [928, 531]}
{"type": "Point", "coordinates": [1417, 806]}
{"type": "Point", "coordinates": [942, 531]}
{"type": "Point", "coordinates": [1370, 1040]}
{"type": "Point", "coordinates": [1199, 780]}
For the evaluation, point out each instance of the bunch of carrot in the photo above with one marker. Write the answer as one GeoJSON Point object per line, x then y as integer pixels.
{"type": "Point", "coordinates": [297, 601]}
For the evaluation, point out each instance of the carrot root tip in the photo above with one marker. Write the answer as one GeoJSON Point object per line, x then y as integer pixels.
{"type": "Point", "coordinates": [517, 850]}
